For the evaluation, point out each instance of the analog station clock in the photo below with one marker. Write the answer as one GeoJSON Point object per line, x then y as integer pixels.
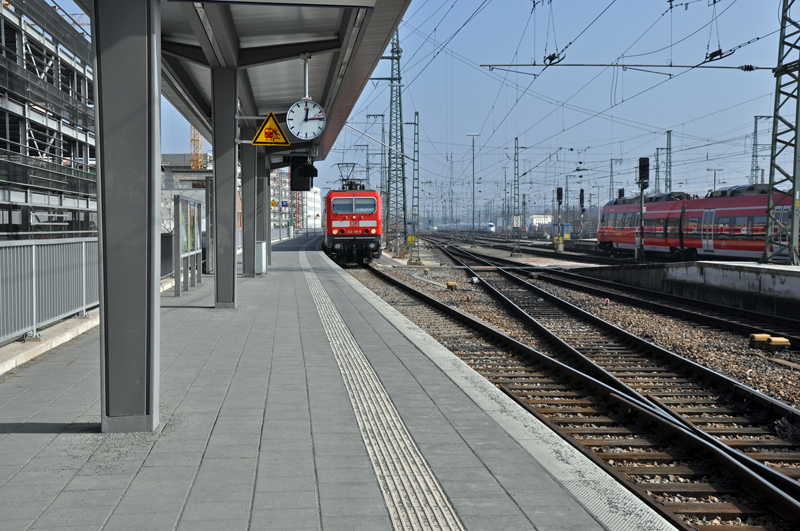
{"type": "Point", "coordinates": [306, 119]}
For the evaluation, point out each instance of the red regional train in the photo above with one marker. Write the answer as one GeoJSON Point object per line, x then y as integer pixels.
{"type": "Point", "coordinates": [729, 222]}
{"type": "Point", "coordinates": [352, 224]}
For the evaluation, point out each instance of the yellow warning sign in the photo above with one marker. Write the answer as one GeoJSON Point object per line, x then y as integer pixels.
{"type": "Point", "coordinates": [270, 134]}
{"type": "Point", "coordinates": [412, 240]}
{"type": "Point", "coordinates": [274, 203]}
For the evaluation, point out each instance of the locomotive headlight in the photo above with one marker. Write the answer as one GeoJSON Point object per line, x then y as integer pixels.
{"type": "Point", "coordinates": [337, 246]}
{"type": "Point", "coordinates": [373, 231]}
{"type": "Point", "coordinates": [371, 245]}
{"type": "Point", "coordinates": [334, 231]}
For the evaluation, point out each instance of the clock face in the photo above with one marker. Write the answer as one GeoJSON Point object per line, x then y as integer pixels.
{"type": "Point", "coordinates": [306, 119]}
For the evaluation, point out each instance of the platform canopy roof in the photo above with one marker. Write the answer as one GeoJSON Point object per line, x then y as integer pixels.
{"type": "Point", "coordinates": [264, 40]}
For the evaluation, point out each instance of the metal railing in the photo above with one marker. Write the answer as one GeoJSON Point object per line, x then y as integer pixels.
{"type": "Point", "coordinates": [43, 281]}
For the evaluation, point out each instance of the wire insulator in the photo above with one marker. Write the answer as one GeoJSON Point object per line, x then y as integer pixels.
{"type": "Point", "coordinates": [747, 68]}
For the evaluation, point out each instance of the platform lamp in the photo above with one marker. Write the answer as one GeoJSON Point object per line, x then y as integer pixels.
{"type": "Point", "coordinates": [473, 135]}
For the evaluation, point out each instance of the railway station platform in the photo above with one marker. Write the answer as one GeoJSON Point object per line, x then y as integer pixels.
{"type": "Point", "coordinates": [312, 405]}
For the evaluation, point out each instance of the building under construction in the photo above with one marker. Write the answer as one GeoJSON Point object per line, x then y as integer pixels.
{"type": "Point", "coordinates": [48, 186]}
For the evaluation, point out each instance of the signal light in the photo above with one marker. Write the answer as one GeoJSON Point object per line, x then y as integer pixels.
{"type": "Point", "coordinates": [644, 172]}
{"type": "Point", "coordinates": [559, 194]}
{"type": "Point", "coordinates": [581, 202]}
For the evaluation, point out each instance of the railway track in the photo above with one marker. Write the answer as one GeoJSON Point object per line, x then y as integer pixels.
{"type": "Point", "coordinates": [738, 320]}
{"type": "Point", "coordinates": [686, 478]}
{"type": "Point", "coordinates": [760, 432]}
{"type": "Point", "coordinates": [569, 256]}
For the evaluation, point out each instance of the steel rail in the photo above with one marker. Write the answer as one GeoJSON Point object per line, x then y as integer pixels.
{"type": "Point", "coordinates": [566, 255]}
{"type": "Point", "coordinates": [733, 387]}
{"type": "Point", "coordinates": [779, 501]}
{"type": "Point", "coordinates": [734, 319]}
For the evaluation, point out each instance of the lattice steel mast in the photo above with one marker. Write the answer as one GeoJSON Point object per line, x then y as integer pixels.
{"type": "Point", "coordinates": [516, 229]}
{"type": "Point", "coordinates": [382, 154]}
{"type": "Point", "coordinates": [754, 165]}
{"type": "Point", "coordinates": [396, 177]}
{"type": "Point", "coordinates": [414, 243]}
{"type": "Point", "coordinates": [668, 171]}
{"type": "Point", "coordinates": [783, 197]}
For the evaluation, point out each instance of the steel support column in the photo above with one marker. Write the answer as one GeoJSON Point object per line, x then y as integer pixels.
{"type": "Point", "coordinates": [225, 91]}
{"type": "Point", "coordinates": [249, 199]}
{"type": "Point", "coordinates": [127, 61]}
{"type": "Point", "coordinates": [269, 212]}
{"type": "Point", "coordinates": [262, 201]}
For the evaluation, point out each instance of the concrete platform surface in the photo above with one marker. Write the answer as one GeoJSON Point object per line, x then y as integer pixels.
{"type": "Point", "coordinates": [313, 405]}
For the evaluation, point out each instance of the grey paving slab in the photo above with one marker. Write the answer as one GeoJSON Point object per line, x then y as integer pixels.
{"type": "Point", "coordinates": [257, 430]}
{"type": "Point", "coordinates": [272, 519]}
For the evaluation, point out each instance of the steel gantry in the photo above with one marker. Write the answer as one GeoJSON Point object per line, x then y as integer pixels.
{"type": "Point", "coordinates": [784, 181]}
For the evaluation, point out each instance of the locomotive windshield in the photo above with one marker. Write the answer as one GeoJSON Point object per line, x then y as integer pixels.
{"type": "Point", "coordinates": [357, 205]}
{"type": "Point", "coordinates": [342, 205]}
{"type": "Point", "coordinates": [365, 205]}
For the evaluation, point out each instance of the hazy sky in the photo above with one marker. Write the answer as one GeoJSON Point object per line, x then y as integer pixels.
{"type": "Point", "coordinates": [568, 117]}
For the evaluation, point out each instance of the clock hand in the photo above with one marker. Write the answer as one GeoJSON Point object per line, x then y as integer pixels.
{"type": "Point", "coordinates": [306, 114]}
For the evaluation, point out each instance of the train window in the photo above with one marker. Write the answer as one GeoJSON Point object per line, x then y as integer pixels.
{"type": "Point", "coordinates": [690, 228]}
{"type": "Point", "coordinates": [672, 227]}
{"type": "Point", "coordinates": [611, 220]}
{"type": "Point", "coordinates": [759, 226]}
{"type": "Point", "coordinates": [654, 227]}
{"type": "Point", "coordinates": [365, 205]}
{"type": "Point", "coordinates": [603, 219]}
{"type": "Point", "coordinates": [741, 227]}
{"type": "Point", "coordinates": [627, 221]}
{"type": "Point", "coordinates": [342, 205]}
{"type": "Point", "coordinates": [723, 229]}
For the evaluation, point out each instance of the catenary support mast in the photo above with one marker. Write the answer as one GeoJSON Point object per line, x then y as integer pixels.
{"type": "Point", "coordinates": [783, 197]}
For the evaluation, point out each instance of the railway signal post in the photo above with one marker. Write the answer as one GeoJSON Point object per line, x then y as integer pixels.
{"type": "Point", "coordinates": [644, 182]}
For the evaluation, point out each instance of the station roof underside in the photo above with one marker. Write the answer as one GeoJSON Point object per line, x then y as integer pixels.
{"type": "Point", "coordinates": [264, 42]}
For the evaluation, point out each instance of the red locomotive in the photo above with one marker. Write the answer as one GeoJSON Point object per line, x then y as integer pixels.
{"type": "Point", "coordinates": [352, 224]}
{"type": "Point", "coordinates": [730, 222]}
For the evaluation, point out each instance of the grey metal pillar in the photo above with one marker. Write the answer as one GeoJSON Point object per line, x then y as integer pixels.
{"type": "Point", "coordinates": [249, 197]}
{"type": "Point", "coordinates": [225, 91]}
{"type": "Point", "coordinates": [127, 61]}
{"type": "Point", "coordinates": [263, 207]}
{"type": "Point", "coordinates": [262, 201]}
{"type": "Point", "coordinates": [269, 214]}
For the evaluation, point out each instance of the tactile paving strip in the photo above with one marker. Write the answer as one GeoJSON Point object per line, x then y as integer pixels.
{"type": "Point", "coordinates": [413, 495]}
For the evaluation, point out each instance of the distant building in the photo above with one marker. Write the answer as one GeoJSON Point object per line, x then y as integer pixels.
{"type": "Point", "coordinates": [538, 220]}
